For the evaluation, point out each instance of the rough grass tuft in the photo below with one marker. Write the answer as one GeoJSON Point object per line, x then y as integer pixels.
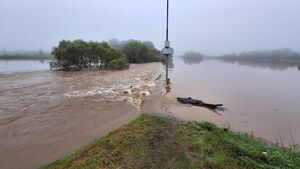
{"type": "Point", "coordinates": [156, 142]}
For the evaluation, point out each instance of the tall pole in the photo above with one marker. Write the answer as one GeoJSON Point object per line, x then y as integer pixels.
{"type": "Point", "coordinates": [167, 50]}
{"type": "Point", "coordinates": [167, 32]}
{"type": "Point", "coordinates": [167, 41]}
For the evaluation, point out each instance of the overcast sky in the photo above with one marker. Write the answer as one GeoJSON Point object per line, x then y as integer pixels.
{"type": "Point", "coordinates": [209, 26]}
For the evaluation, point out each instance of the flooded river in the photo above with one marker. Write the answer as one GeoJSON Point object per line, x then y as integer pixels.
{"type": "Point", "coordinates": [10, 66]}
{"type": "Point", "coordinates": [260, 99]}
{"type": "Point", "coordinates": [45, 115]}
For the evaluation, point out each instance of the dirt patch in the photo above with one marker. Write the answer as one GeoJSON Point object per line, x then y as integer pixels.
{"type": "Point", "coordinates": [162, 140]}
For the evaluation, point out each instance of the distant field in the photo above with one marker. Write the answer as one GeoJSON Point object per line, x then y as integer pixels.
{"type": "Point", "coordinates": [26, 57]}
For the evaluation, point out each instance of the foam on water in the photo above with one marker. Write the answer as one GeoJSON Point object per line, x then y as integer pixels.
{"type": "Point", "coordinates": [131, 90]}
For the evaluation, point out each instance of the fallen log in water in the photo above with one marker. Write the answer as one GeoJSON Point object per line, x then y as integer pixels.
{"type": "Point", "coordinates": [198, 103]}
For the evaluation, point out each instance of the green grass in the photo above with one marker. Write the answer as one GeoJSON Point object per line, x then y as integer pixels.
{"type": "Point", "coordinates": [212, 147]}
{"type": "Point", "coordinates": [157, 142]}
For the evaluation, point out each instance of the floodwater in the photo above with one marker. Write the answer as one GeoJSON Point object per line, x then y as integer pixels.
{"type": "Point", "coordinates": [262, 100]}
{"type": "Point", "coordinates": [45, 115]}
{"type": "Point", "coordinates": [23, 65]}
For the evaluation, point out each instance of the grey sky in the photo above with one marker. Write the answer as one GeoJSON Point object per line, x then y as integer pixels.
{"type": "Point", "coordinates": [208, 26]}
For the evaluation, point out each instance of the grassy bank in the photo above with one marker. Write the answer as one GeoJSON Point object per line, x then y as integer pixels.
{"type": "Point", "coordinates": [156, 142]}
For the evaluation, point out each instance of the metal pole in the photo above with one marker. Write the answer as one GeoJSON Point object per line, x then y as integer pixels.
{"type": "Point", "coordinates": [167, 39]}
{"type": "Point", "coordinates": [167, 69]}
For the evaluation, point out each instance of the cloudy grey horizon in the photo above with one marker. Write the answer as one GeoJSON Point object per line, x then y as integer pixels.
{"type": "Point", "coordinates": [212, 27]}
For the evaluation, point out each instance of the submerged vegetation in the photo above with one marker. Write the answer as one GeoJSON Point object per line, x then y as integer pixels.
{"type": "Point", "coordinates": [79, 54]}
{"type": "Point", "coordinates": [141, 52]}
{"type": "Point", "coordinates": [137, 51]}
{"type": "Point", "coordinates": [157, 142]}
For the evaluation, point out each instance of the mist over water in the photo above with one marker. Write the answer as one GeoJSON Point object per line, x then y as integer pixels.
{"type": "Point", "coordinates": [7, 66]}
{"type": "Point", "coordinates": [259, 99]}
{"type": "Point", "coordinates": [277, 66]}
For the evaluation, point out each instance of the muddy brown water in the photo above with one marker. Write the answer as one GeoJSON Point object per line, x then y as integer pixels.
{"type": "Point", "coordinates": [45, 115]}
{"type": "Point", "coordinates": [260, 99]}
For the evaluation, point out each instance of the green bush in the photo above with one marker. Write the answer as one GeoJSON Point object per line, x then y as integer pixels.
{"type": "Point", "coordinates": [79, 54]}
{"type": "Point", "coordinates": [118, 64]}
{"type": "Point", "coordinates": [139, 52]}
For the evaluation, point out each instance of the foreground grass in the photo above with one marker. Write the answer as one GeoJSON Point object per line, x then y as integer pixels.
{"type": "Point", "coordinates": [156, 142]}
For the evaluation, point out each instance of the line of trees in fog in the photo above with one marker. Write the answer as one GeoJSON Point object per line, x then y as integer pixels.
{"type": "Point", "coordinates": [279, 59]}
{"type": "Point", "coordinates": [79, 54]}
{"type": "Point", "coordinates": [275, 59]}
{"type": "Point", "coordinates": [192, 57]}
{"type": "Point", "coordinates": [11, 55]}
{"type": "Point", "coordinates": [278, 54]}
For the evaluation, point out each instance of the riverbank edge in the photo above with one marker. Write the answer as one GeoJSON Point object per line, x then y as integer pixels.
{"type": "Point", "coordinates": [153, 141]}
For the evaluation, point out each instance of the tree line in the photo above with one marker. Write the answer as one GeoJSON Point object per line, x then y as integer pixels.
{"type": "Point", "coordinates": [80, 54]}
{"type": "Point", "coordinates": [192, 57]}
{"type": "Point", "coordinates": [24, 55]}
{"type": "Point", "coordinates": [137, 51]}
{"type": "Point", "coordinates": [274, 59]}
{"type": "Point", "coordinates": [278, 54]}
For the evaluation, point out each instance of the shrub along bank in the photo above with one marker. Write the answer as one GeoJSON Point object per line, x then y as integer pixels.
{"type": "Point", "coordinates": [80, 54]}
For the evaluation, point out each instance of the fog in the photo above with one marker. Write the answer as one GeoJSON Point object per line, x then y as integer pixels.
{"type": "Point", "coordinates": [212, 27]}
